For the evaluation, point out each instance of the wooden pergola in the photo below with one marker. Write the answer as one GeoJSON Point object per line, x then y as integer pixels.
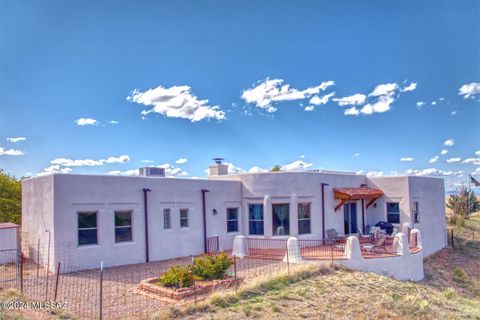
{"type": "Point", "coordinates": [353, 194]}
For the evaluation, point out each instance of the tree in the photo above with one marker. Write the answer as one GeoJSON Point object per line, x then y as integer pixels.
{"type": "Point", "coordinates": [459, 203]}
{"type": "Point", "coordinates": [276, 168]}
{"type": "Point", "coordinates": [10, 198]}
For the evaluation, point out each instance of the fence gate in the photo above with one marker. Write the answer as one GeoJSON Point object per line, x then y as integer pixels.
{"type": "Point", "coordinates": [9, 255]}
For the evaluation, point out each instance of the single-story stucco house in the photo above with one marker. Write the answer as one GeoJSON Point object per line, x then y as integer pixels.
{"type": "Point", "coordinates": [132, 219]}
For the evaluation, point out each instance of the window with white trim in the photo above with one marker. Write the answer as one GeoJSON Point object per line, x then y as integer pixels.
{"type": "Point", "coordinates": [123, 226]}
{"type": "Point", "coordinates": [393, 212]}
{"type": "Point", "coordinates": [304, 218]}
{"type": "Point", "coordinates": [232, 219]}
{"type": "Point", "coordinates": [87, 228]}
{"type": "Point", "coordinates": [183, 218]}
{"type": "Point", "coordinates": [167, 224]}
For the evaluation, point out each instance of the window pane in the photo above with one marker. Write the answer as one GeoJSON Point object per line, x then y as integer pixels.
{"type": "Point", "coordinates": [281, 219]}
{"type": "Point", "coordinates": [123, 234]}
{"type": "Point", "coordinates": [87, 220]}
{"type": "Point", "coordinates": [256, 227]}
{"type": "Point", "coordinates": [232, 214]}
{"type": "Point", "coordinates": [183, 223]}
{"type": "Point", "coordinates": [88, 236]}
{"type": "Point", "coordinates": [393, 218]}
{"type": "Point", "coordinates": [393, 207]}
{"type": "Point", "coordinates": [304, 211]}
{"type": "Point", "coordinates": [166, 219]}
{"type": "Point", "coordinates": [304, 226]}
{"type": "Point", "coordinates": [183, 213]}
{"type": "Point", "coordinates": [255, 212]}
{"type": "Point", "coordinates": [123, 218]}
{"type": "Point", "coordinates": [232, 226]}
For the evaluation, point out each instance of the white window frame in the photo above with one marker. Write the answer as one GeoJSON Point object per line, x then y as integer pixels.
{"type": "Point", "coordinates": [262, 220]}
{"type": "Point", "coordinates": [305, 219]}
{"type": "Point", "coordinates": [167, 212]}
{"type": "Point", "coordinates": [229, 220]}
{"type": "Point", "coordinates": [123, 227]}
{"type": "Point", "coordinates": [91, 228]}
{"type": "Point", "coordinates": [187, 218]}
{"type": "Point", "coordinates": [387, 213]}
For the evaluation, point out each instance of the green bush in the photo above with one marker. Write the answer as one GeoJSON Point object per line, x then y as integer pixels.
{"type": "Point", "coordinates": [177, 276]}
{"type": "Point", "coordinates": [212, 267]}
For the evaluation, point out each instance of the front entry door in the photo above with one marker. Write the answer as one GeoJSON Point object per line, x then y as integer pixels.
{"type": "Point", "coordinates": [350, 217]}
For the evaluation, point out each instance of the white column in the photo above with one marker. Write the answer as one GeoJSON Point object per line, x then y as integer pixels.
{"type": "Point", "coordinates": [293, 215]}
{"type": "Point", "coordinates": [267, 216]}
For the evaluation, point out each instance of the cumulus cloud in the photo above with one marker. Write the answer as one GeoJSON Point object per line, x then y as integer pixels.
{"type": "Point", "coordinates": [453, 160]}
{"type": "Point", "coordinates": [353, 100]}
{"type": "Point", "coordinates": [55, 168]}
{"type": "Point", "coordinates": [172, 171]}
{"type": "Point", "coordinates": [420, 104]}
{"type": "Point", "coordinates": [232, 169]}
{"type": "Point", "coordinates": [11, 152]}
{"type": "Point", "coordinates": [132, 172]}
{"type": "Point", "coordinates": [383, 104]}
{"type": "Point", "coordinates": [113, 122]}
{"type": "Point", "coordinates": [406, 159]}
{"type": "Point", "coordinates": [477, 153]}
{"type": "Point", "coordinates": [351, 112]}
{"type": "Point", "coordinates": [434, 103]}
{"type": "Point", "coordinates": [176, 102]}
{"type": "Point", "coordinates": [146, 161]}
{"type": "Point", "coordinates": [454, 112]}
{"type": "Point", "coordinates": [433, 172]}
{"type": "Point", "coordinates": [181, 161]}
{"type": "Point", "coordinates": [469, 90]}
{"type": "Point", "coordinates": [257, 169]}
{"type": "Point", "coordinates": [475, 161]}
{"type": "Point", "coordinates": [16, 139]}
{"type": "Point", "coordinates": [270, 91]}
{"type": "Point", "coordinates": [433, 159]}
{"type": "Point", "coordinates": [444, 152]}
{"type": "Point", "coordinates": [86, 122]}
{"type": "Point", "coordinates": [356, 154]}
{"type": "Point", "coordinates": [374, 174]}
{"type": "Point", "coordinates": [449, 142]}
{"type": "Point", "coordinates": [309, 108]}
{"type": "Point", "coordinates": [386, 89]}
{"type": "Point", "coordinates": [412, 86]}
{"type": "Point", "coordinates": [298, 165]}
{"type": "Point", "coordinates": [88, 162]}
{"type": "Point", "coordinates": [316, 100]}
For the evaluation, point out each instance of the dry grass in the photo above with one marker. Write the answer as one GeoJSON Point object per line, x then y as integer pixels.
{"type": "Point", "coordinates": [451, 290]}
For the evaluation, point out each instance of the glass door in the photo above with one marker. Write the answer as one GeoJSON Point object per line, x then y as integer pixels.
{"type": "Point", "coordinates": [350, 217]}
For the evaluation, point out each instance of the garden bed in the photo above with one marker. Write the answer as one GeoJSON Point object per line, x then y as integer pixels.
{"type": "Point", "coordinates": [152, 286]}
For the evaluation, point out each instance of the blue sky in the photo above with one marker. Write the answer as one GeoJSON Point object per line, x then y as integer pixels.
{"type": "Point", "coordinates": [251, 81]}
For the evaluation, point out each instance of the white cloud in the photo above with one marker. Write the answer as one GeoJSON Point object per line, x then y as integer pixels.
{"type": "Point", "coordinates": [297, 165]}
{"type": "Point", "coordinates": [89, 162]}
{"type": "Point", "coordinates": [54, 169]}
{"type": "Point", "coordinates": [475, 161]}
{"type": "Point", "coordinates": [176, 102]}
{"type": "Point", "coordinates": [351, 112]}
{"type": "Point", "coordinates": [232, 169]}
{"type": "Point", "coordinates": [133, 172]}
{"type": "Point", "coordinates": [434, 103]}
{"type": "Point", "coordinates": [11, 152]}
{"type": "Point", "coordinates": [353, 100]}
{"type": "Point", "coordinates": [453, 160]}
{"type": "Point", "coordinates": [454, 112]}
{"type": "Point", "coordinates": [441, 99]}
{"type": "Point", "coordinates": [373, 174]}
{"type": "Point", "coordinates": [86, 122]}
{"type": "Point", "coordinates": [172, 171]}
{"type": "Point", "coordinates": [412, 86]}
{"type": "Point", "coordinates": [257, 169]}
{"type": "Point", "coordinates": [433, 159]}
{"type": "Point", "coordinates": [449, 142]}
{"type": "Point", "coordinates": [181, 161]}
{"type": "Point", "coordinates": [477, 153]}
{"type": "Point", "coordinates": [309, 108]}
{"type": "Point", "coordinates": [420, 104]}
{"type": "Point", "coordinates": [146, 161]}
{"type": "Point", "coordinates": [316, 100]}
{"type": "Point", "coordinates": [386, 89]}
{"type": "Point", "coordinates": [356, 154]}
{"type": "Point", "coordinates": [477, 171]}
{"type": "Point", "coordinates": [444, 152]}
{"type": "Point", "coordinates": [432, 172]}
{"type": "Point", "coordinates": [16, 139]}
{"type": "Point", "coordinates": [383, 104]}
{"type": "Point", "coordinates": [113, 122]}
{"type": "Point", "coordinates": [270, 91]}
{"type": "Point", "coordinates": [406, 159]}
{"type": "Point", "coordinates": [469, 90]}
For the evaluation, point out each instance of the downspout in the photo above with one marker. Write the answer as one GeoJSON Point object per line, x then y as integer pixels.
{"type": "Point", "coordinates": [204, 207]}
{"type": "Point", "coordinates": [363, 216]}
{"type": "Point", "coordinates": [323, 209]}
{"type": "Point", "coordinates": [145, 203]}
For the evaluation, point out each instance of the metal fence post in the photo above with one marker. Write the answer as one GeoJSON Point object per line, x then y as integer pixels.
{"type": "Point", "coordinates": [331, 255]}
{"type": "Point", "coordinates": [38, 257]}
{"type": "Point", "coordinates": [56, 282]}
{"type": "Point", "coordinates": [48, 264]}
{"type": "Point", "coordinates": [451, 237]}
{"type": "Point", "coordinates": [100, 302]}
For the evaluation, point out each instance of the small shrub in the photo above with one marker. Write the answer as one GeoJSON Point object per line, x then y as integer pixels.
{"type": "Point", "coordinates": [212, 267]}
{"type": "Point", "coordinates": [459, 275]}
{"type": "Point", "coordinates": [177, 276]}
{"type": "Point", "coordinates": [449, 293]}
